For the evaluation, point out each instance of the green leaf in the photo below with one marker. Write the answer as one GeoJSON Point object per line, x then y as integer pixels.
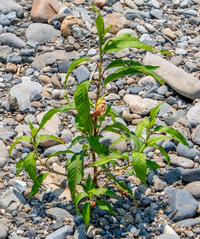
{"type": "Point", "coordinates": [152, 165]}
{"type": "Point", "coordinates": [121, 185]}
{"type": "Point", "coordinates": [77, 199]}
{"type": "Point", "coordinates": [102, 191]}
{"type": "Point", "coordinates": [120, 139]}
{"type": "Point", "coordinates": [86, 211]}
{"type": "Point", "coordinates": [33, 130]}
{"type": "Point", "coordinates": [157, 138]}
{"type": "Point", "coordinates": [162, 150]}
{"type": "Point", "coordinates": [47, 117]}
{"type": "Point", "coordinates": [83, 105]}
{"type": "Point", "coordinates": [97, 146]}
{"type": "Point", "coordinates": [139, 165]}
{"type": "Point", "coordinates": [165, 52]}
{"type": "Point", "coordinates": [122, 41]}
{"type": "Point", "coordinates": [105, 206]}
{"type": "Point", "coordinates": [155, 110]}
{"type": "Point", "coordinates": [121, 72]}
{"type": "Point", "coordinates": [106, 159]}
{"type": "Point", "coordinates": [41, 137]}
{"type": "Point", "coordinates": [36, 186]}
{"type": "Point", "coordinates": [136, 141]}
{"type": "Point", "coordinates": [30, 166]}
{"type": "Point", "coordinates": [64, 108]}
{"type": "Point", "coordinates": [20, 166]}
{"type": "Point", "coordinates": [116, 125]}
{"type": "Point", "coordinates": [99, 25]}
{"type": "Point", "coordinates": [89, 183]}
{"type": "Point", "coordinates": [129, 171]}
{"type": "Point", "coordinates": [21, 138]}
{"type": "Point", "coordinates": [115, 63]}
{"type": "Point", "coordinates": [79, 125]}
{"type": "Point", "coordinates": [75, 172]}
{"type": "Point", "coordinates": [74, 141]}
{"type": "Point", "coordinates": [60, 152]}
{"type": "Point", "coordinates": [74, 64]}
{"type": "Point", "coordinates": [168, 130]}
{"type": "Point", "coordinates": [107, 29]}
{"type": "Point", "coordinates": [140, 127]}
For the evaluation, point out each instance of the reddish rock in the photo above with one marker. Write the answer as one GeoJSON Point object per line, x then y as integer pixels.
{"type": "Point", "coordinates": [43, 10]}
{"type": "Point", "coordinates": [55, 81]}
{"type": "Point", "coordinates": [117, 19]}
{"type": "Point", "coordinates": [45, 80]}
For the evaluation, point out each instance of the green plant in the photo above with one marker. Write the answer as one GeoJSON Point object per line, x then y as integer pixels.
{"type": "Point", "coordinates": [90, 125]}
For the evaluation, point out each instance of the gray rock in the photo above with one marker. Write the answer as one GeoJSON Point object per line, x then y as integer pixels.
{"type": "Point", "coordinates": [4, 20]}
{"type": "Point", "coordinates": [4, 150]}
{"type": "Point", "coordinates": [41, 33]}
{"type": "Point", "coordinates": [58, 213]}
{"type": "Point", "coordinates": [21, 186]}
{"type": "Point", "coordinates": [182, 204]}
{"type": "Point", "coordinates": [133, 13]}
{"type": "Point", "coordinates": [4, 231]}
{"type": "Point", "coordinates": [35, 95]}
{"type": "Point", "coordinates": [196, 135]}
{"type": "Point", "coordinates": [8, 6]}
{"type": "Point", "coordinates": [193, 115]}
{"type": "Point", "coordinates": [78, 32]}
{"type": "Point", "coordinates": [14, 58]}
{"type": "Point", "coordinates": [168, 236]}
{"type": "Point", "coordinates": [158, 14]}
{"type": "Point", "coordinates": [43, 60]}
{"type": "Point", "coordinates": [80, 232]}
{"type": "Point", "coordinates": [11, 40]}
{"type": "Point", "coordinates": [153, 4]}
{"type": "Point", "coordinates": [188, 222]}
{"type": "Point", "coordinates": [55, 148]}
{"type": "Point", "coordinates": [191, 175]}
{"type": "Point", "coordinates": [159, 185]}
{"type": "Point", "coordinates": [31, 233]}
{"type": "Point", "coordinates": [175, 77]}
{"type": "Point", "coordinates": [11, 200]}
{"type": "Point", "coordinates": [27, 52]}
{"type": "Point", "coordinates": [176, 60]}
{"type": "Point", "coordinates": [193, 188]}
{"type": "Point", "coordinates": [173, 176]}
{"type": "Point", "coordinates": [147, 39]}
{"type": "Point", "coordinates": [181, 161]}
{"type": "Point", "coordinates": [63, 66]}
{"type": "Point", "coordinates": [188, 12]}
{"type": "Point", "coordinates": [26, 86]}
{"type": "Point", "coordinates": [82, 73]}
{"type": "Point", "coordinates": [164, 109]}
{"type": "Point", "coordinates": [180, 51]}
{"type": "Point", "coordinates": [61, 233]}
{"type": "Point", "coordinates": [2, 161]}
{"type": "Point", "coordinates": [186, 152]}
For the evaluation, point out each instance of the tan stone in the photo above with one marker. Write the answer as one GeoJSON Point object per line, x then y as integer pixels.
{"type": "Point", "coordinates": [55, 81]}
{"type": "Point", "coordinates": [44, 79]}
{"type": "Point", "coordinates": [43, 10]}
{"type": "Point", "coordinates": [79, 2]}
{"type": "Point", "coordinates": [99, 3]}
{"type": "Point", "coordinates": [68, 22]}
{"type": "Point", "coordinates": [169, 33]}
{"type": "Point", "coordinates": [36, 104]}
{"type": "Point", "coordinates": [136, 121]}
{"type": "Point", "coordinates": [117, 19]}
{"type": "Point", "coordinates": [11, 68]}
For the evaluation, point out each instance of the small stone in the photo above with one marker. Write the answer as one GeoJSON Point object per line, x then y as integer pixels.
{"type": "Point", "coordinates": [11, 68]}
{"type": "Point", "coordinates": [82, 73]}
{"type": "Point", "coordinates": [173, 176]}
{"type": "Point", "coordinates": [61, 233]}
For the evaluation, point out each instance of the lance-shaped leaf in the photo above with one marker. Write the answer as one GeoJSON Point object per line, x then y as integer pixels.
{"type": "Point", "coordinates": [155, 110]}
{"type": "Point", "coordinates": [120, 139]}
{"type": "Point", "coordinates": [152, 165]}
{"type": "Point", "coordinates": [122, 41]}
{"type": "Point", "coordinates": [36, 186]}
{"type": "Point", "coordinates": [107, 29]}
{"type": "Point", "coordinates": [20, 139]}
{"type": "Point", "coordinates": [41, 137]}
{"type": "Point", "coordinates": [60, 152]}
{"type": "Point", "coordinates": [116, 125]}
{"type": "Point", "coordinates": [77, 199]}
{"type": "Point", "coordinates": [168, 130]}
{"type": "Point", "coordinates": [20, 166]}
{"type": "Point", "coordinates": [70, 106]}
{"type": "Point", "coordinates": [83, 105]}
{"type": "Point", "coordinates": [115, 63]}
{"type": "Point", "coordinates": [139, 165]}
{"type": "Point", "coordinates": [47, 117]}
{"type": "Point", "coordinates": [75, 172]}
{"type": "Point", "coordinates": [157, 138]}
{"type": "Point", "coordinates": [105, 206]}
{"type": "Point", "coordinates": [121, 72]}
{"type": "Point", "coordinates": [106, 159]}
{"type": "Point", "coordinates": [97, 146]}
{"type": "Point", "coordinates": [140, 127]}
{"type": "Point", "coordinates": [136, 141]}
{"type": "Point", "coordinates": [30, 166]}
{"type": "Point", "coordinates": [74, 64]}
{"type": "Point", "coordinates": [89, 183]}
{"type": "Point", "coordinates": [162, 150]}
{"type": "Point", "coordinates": [86, 211]}
{"type": "Point", "coordinates": [102, 191]}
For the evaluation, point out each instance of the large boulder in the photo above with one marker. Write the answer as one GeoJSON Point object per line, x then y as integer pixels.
{"type": "Point", "coordinates": [10, 5]}
{"type": "Point", "coordinates": [43, 10]}
{"type": "Point", "coordinates": [175, 77]}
